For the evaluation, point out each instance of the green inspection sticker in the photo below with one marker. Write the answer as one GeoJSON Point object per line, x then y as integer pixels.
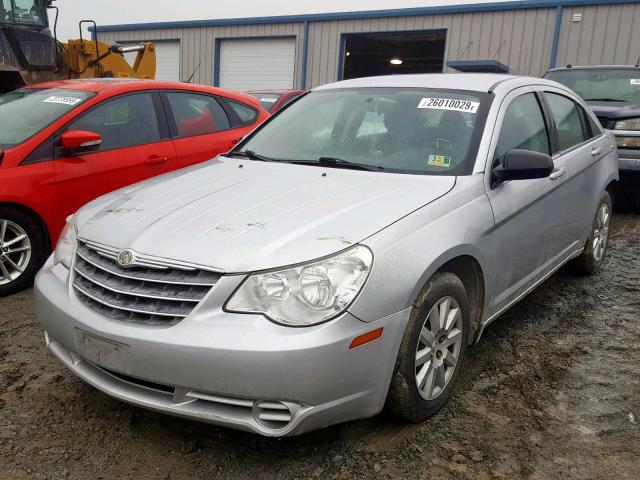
{"type": "Point", "coordinates": [439, 161]}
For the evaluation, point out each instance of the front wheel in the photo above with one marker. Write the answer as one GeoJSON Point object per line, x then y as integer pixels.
{"type": "Point", "coordinates": [23, 250]}
{"type": "Point", "coordinates": [432, 350]}
{"type": "Point", "coordinates": [591, 258]}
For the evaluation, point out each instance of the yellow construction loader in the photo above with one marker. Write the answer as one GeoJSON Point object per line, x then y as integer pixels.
{"type": "Point", "coordinates": [30, 53]}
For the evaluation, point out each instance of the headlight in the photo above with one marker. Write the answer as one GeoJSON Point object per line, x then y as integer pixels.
{"type": "Point", "coordinates": [628, 142]}
{"type": "Point", "coordinates": [66, 243]}
{"type": "Point", "coordinates": [628, 124]}
{"type": "Point", "coordinates": [307, 294]}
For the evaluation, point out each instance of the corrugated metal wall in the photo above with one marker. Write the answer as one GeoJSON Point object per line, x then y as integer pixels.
{"type": "Point", "coordinates": [197, 43]}
{"type": "Point", "coordinates": [527, 34]}
{"type": "Point", "coordinates": [607, 34]}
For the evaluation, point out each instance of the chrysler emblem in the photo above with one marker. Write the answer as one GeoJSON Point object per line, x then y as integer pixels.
{"type": "Point", "coordinates": [125, 258]}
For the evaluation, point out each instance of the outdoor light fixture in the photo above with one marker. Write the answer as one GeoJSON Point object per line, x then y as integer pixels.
{"type": "Point", "coordinates": [395, 61]}
{"type": "Point", "coordinates": [347, 54]}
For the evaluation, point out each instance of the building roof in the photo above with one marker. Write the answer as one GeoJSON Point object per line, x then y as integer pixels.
{"type": "Point", "coordinates": [398, 12]}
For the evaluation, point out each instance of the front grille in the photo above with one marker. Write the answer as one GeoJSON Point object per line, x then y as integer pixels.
{"type": "Point", "coordinates": [271, 414]}
{"type": "Point", "coordinates": [606, 122]}
{"type": "Point", "coordinates": [153, 291]}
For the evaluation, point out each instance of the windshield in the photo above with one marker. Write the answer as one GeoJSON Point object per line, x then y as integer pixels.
{"type": "Point", "coordinates": [267, 100]}
{"type": "Point", "coordinates": [23, 12]}
{"type": "Point", "coordinates": [31, 110]}
{"type": "Point", "coordinates": [407, 130]}
{"type": "Point", "coordinates": [620, 86]}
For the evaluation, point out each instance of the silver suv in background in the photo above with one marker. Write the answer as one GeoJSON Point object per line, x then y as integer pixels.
{"type": "Point", "coordinates": [339, 259]}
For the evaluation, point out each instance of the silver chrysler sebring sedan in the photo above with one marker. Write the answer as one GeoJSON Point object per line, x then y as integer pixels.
{"type": "Point", "coordinates": [339, 260]}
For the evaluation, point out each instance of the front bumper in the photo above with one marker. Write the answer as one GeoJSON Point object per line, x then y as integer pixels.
{"type": "Point", "coordinates": [235, 370]}
{"type": "Point", "coordinates": [629, 160]}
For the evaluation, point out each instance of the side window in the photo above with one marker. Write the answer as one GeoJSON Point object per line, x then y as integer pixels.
{"type": "Point", "coordinates": [124, 122]}
{"type": "Point", "coordinates": [568, 119]}
{"type": "Point", "coordinates": [593, 128]}
{"type": "Point", "coordinates": [196, 114]}
{"type": "Point", "coordinates": [247, 115]}
{"type": "Point", "coordinates": [523, 128]}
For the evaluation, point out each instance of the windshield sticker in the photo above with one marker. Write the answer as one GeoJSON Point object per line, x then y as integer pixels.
{"type": "Point", "coordinates": [635, 81]}
{"type": "Point", "coordinates": [449, 104]}
{"type": "Point", "coordinates": [439, 161]}
{"type": "Point", "coordinates": [268, 99]}
{"type": "Point", "coordinates": [63, 100]}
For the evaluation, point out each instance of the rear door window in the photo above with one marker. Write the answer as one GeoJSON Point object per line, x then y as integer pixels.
{"type": "Point", "coordinates": [196, 114]}
{"type": "Point", "coordinates": [569, 120]}
{"type": "Point", "coordinates": [124, 122]}
{"type": "Point", "coordinates": [523, 128]}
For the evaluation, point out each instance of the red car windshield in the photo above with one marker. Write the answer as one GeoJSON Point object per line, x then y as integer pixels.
{"type": "Point", "coordinates": [31, 110]}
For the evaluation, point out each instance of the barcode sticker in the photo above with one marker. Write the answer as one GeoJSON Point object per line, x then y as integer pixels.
{"type": "Point", "coordinates": [449, 104]}
{"type": "Point", "coordinates": [63, 100]}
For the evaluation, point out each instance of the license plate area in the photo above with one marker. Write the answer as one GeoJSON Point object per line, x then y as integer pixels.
{"type": "Point", "coordinates": [103, 351]}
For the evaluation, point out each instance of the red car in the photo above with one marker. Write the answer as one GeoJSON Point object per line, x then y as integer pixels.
{"type": "Point", "coordinates": [274, 100]}
{"type": "Point", "coordinates": [65, 143]}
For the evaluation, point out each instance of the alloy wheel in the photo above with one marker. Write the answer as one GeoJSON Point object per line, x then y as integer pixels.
{"type": "Point", "coordinates": [601, 232]}
{"type": "Point", "coordinates": [15, 251]}
{"type": "Point", "coordinates": [438, 348]}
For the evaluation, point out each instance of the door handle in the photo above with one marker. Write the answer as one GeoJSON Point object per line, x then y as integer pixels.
{"type": "Point", "coordinates": [596, 151]}
{"type": "Point", "coordinates": [557, 173]}
{"type": "Point", "coordinates": [156, 160]}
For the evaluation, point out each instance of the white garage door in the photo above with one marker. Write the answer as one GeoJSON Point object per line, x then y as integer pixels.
{"type": "Point", "coordinates": [167, 59]}
{"type": "Point", "coordinates": [257, 64]}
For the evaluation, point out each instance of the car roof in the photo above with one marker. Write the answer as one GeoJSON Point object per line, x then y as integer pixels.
{"type": "Point", "coordinates": [595, 67]}
{"type": "Point", "coordinates": [114, 86]}
{"type": "Point", "coordinates": [483, 82]}
{"type": "Point", "coordinates": [275, 91]}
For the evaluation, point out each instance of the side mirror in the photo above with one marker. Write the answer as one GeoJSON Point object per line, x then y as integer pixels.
{"type": "Point", "coordinates": [81, 141]}
{"type": "Point", "coordinates": [522, 165]}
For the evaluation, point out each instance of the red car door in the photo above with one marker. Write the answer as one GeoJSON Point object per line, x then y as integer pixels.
{"type": "Point", "coordinates": [135, 146]}
{"type": "Point", "coordinates": [204, 126]}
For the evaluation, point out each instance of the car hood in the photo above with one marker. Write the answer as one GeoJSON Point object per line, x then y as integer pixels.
{"type": "Point", "coordinates": [240, 216]}
{"type": "Point", "coordinates": [614, 110]}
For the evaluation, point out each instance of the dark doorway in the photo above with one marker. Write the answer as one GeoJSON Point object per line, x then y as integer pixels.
{"type": "Point", "coordinates": [370, 54]}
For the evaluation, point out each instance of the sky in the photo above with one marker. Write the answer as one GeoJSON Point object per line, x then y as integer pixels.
{"type": "Point", "coordinates": [107, 12]}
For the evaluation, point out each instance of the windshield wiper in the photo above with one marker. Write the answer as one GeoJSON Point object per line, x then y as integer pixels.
{"type": "Point", "coordinates": [251, 155]}
{"type": "Point", "coordinates": [605, 100]}
{"type": "Point", "coordinates": [340, 163]}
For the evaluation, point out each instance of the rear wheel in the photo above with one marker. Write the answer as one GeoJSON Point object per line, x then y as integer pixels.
{"type": "Point", "coordinates": [432, 350]}
{"type": "Point", "coordinates": [23, 249]}
{"type": "Point", "coordinates": [591, 258]}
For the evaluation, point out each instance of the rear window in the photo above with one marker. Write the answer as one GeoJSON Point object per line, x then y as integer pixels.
{"type": "Point", "coordinates": [267, 100]}
{"type": "Point", "coordinates": [31, 110]}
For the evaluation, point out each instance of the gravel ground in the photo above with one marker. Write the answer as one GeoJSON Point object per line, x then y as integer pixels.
{"type": "Point", "coordinates": [551, 391]}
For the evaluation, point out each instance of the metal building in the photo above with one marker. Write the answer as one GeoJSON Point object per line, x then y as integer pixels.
{"type": "Point", "coordinates": [307, 50]}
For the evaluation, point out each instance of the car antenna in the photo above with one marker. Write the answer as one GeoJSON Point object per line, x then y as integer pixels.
{"type": "Point", "coordinates": [194, 73]}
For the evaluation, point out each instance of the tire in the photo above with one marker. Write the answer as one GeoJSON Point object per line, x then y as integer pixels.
{"type": "Point", "coordinates": [405, 399]}
{"type": "Point", "coordinates": [593, 255]}
{"type": "Point", "coordinates": [28, 254]}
